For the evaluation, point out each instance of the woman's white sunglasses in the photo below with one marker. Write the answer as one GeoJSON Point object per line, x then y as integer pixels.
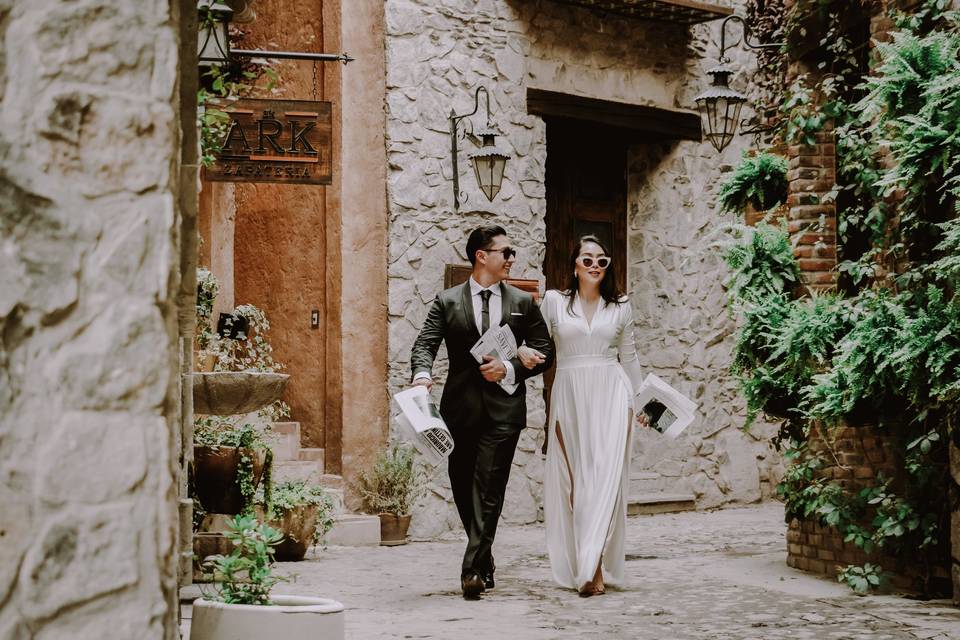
{"type": "Point", "coordinates": [603, 261]}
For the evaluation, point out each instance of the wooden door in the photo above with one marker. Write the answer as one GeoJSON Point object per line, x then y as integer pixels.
{"type": "Point", "coordinates": [586, 194]}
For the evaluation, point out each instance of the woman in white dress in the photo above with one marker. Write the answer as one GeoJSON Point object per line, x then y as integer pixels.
{"type": "Point", "coordinates": [591, 414]}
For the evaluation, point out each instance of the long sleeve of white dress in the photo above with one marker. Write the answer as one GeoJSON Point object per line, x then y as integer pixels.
{"type": "Point", "coordinates": [627, 348]}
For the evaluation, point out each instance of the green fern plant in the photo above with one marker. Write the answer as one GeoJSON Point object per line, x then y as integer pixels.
{"type": "Point", "coordinates": [761, 262]}
{"type": "Point", "coordinates": [760, 181]}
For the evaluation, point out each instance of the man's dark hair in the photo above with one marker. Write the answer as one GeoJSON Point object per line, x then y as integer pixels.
{"type": "Point", "coordinates": [482, 238]}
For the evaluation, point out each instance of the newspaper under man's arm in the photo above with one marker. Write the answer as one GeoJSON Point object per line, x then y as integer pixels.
{"type": "Point", "coordinates": [422, 424]}
{"type": "Point", "coordinates": [500, 343]}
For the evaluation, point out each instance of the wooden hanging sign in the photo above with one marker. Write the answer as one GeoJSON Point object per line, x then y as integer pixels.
{"type": "Point", "coordinates": [286, 141]}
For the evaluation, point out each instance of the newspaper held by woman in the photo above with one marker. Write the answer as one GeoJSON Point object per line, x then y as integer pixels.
{"type": "Point", "coordinates": [670, 412]}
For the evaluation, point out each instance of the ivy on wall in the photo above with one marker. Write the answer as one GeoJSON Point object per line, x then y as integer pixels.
{"type": "Point", "coordinates": [885, 347]}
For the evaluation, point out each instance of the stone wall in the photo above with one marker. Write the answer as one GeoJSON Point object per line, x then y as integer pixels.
{"type": "Point", "coordinates": [437, 54]}
{"type": "Point", "coordinates": [684, 332]}
{"type": "Point", "coordinates": [89, 401]}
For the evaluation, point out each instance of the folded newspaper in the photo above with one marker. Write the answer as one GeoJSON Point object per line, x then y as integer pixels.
{"type": "Point", "coordinates": [500, 343]}
{"type": "Point", "coordinates": [669, 411]}
{"type": "Point", "coordinates": [421, 423]}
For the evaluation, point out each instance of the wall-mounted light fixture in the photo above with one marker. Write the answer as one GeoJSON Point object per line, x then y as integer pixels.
{"type": "Point", "coordinates": [488, 163]}
{"type": "Point", "coordinates": [214, 40]}
{"type": "Point", "coordinates": [720, 104]}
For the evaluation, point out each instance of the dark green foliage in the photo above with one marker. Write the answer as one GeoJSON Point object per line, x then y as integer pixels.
{"type": "Point", "coordinates": [762, 264]}
{"type": "Point", "coordinates": [760, 181]}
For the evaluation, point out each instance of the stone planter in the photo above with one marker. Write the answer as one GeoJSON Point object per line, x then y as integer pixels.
{"type": "Point", "coordinates": [286, 617]}
{"type": "Point", "coordinates": [298, 526]}
{"type": "Point", "coordinates": [393, 529]}
{"type": "Point", "coordinates": [215, 477]}
{"type": "Point", "coordinates": [226, 393]}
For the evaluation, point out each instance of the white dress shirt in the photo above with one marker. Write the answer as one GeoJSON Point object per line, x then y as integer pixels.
{"type": "Point", "coordinates": [496, 314]}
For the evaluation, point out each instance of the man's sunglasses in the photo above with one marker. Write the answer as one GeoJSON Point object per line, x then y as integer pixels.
{"type": "Point", "coordinates": [603, 261]}
{"type": "Point", "coordinates": [508, 252]}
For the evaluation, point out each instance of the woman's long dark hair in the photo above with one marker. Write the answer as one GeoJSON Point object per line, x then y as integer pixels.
{"type": "Point", "coordinates": [609, 291]}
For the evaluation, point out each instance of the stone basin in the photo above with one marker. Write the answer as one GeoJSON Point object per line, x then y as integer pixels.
{"type": "Point", "coordinates": [225, 393]}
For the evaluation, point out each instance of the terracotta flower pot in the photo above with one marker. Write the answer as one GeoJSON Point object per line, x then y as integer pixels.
{"type": "Point", "coordinates": [215, 477]}
{"type": "Point", "coordinates": [285, 617]}
{"type": "Point", "coordinates": [298, 526]}
{"type": "Point", "coordinates": [393, 529]}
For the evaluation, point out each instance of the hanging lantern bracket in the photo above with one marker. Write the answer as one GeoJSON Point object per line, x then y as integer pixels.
{"type": "Point", "coordinates": [454, 123]}
{"type": "Point", "coordinates": [745, 38]}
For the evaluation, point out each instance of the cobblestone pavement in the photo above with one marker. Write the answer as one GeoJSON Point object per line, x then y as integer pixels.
{"type": "Point", "coordinates": [719, 575]}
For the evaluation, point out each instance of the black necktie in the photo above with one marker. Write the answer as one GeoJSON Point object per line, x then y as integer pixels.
{"type": "Point", "coordinates": [485, 314]}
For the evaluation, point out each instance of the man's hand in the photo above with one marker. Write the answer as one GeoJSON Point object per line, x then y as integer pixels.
{"type": "Point", "coordinates": [423, 382]}
{"type": "Point", "coordinates": [492, 369]}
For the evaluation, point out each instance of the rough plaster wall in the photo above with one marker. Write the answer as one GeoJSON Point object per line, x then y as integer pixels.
{"type": "Point", "coordinates": [88, 357]}
{"type": "Point", "coordinates": [437, 54]}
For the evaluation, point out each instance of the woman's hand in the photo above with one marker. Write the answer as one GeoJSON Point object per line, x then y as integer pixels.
{"type": "Point", "coordinates": [642, 419]}
{"type": "Point", "coordinates": [530, 357]}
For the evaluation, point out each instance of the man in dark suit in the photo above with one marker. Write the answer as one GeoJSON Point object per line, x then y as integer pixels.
{"type": "Point", "coordinates": [484, 418]}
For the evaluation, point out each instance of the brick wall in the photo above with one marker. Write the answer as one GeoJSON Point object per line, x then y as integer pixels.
{"type": "Point", "coordinates": [855, 456]}
{"type": "Point", "coordinates": [812, 220]}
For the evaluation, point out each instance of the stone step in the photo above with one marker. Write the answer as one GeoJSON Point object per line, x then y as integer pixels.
{"type": "Point", "coordinates": [337, 496]}
{"type": "Point", "coordinates": [285, 441]}
{"type": "Point", "coordinates": [645, 482]}
{"type": "Point", "coordinates": [355, 530]}
{"type": "Point", "coordinates": [296, 470]}
{"type": "Point", "coordinates": [311, 454]}
{"type": "Point", "coordinates": [648, 503]}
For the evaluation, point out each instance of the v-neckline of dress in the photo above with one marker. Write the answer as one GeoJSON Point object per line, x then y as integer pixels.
{"type": "Point", "coordinates": [579, 305]}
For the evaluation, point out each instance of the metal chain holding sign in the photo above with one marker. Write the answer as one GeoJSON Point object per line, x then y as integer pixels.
{"type": "Point", "coordinates": [314, 79]}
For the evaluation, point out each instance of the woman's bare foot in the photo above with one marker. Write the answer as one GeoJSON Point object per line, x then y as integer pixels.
{"type": "Point", "coordinates": [595, 587]}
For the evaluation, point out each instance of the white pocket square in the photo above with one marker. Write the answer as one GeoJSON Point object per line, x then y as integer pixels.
{"type": "Point", "coordinates": [514, 313]}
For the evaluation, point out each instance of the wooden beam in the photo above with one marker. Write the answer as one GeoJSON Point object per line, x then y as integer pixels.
{"type": "Point", "coordinates": [685, 12]}
{"type": "Point", "coordinates": [655, 121]}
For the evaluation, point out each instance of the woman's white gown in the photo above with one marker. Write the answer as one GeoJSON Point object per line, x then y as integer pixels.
{"type": "Point", "coordinates": [591, 405]}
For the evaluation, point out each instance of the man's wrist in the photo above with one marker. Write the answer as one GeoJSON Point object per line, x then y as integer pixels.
{"type": "Point", "coordinates": [509, 376]}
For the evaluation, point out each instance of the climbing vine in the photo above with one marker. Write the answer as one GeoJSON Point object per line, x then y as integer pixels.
{"type": "Point", "coordinates": [885, 347]}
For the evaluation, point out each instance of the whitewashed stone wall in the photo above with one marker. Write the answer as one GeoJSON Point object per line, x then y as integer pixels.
{"type": "Point", "coordinates": [88, 360]}
{"type": "Point", "coordinates": [438, 52]}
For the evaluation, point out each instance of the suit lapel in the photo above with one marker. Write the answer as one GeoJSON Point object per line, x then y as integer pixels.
{"type": "Point", "coordinates": [506, 299]}
{"type": "Point", "coordinates": [466, 305]}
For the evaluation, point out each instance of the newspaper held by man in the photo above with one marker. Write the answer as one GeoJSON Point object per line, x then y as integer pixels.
{"type": "Point", "coordinates": [669, 411]}
{"type": "Point", "coordinates": [421, 424]}
{"type": "Point", "coordinates": [500, 343]}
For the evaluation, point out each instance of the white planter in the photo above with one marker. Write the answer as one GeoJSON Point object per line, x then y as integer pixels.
{"type": "Point", "coordinates": [288, 617]}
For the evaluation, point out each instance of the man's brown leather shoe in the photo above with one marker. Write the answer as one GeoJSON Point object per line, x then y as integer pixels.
{"type": "Point", "coordinates": [472, 586]}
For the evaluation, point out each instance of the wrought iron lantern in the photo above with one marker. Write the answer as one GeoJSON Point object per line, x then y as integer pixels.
{"type": "Point", "coordinates": [489, 162]}
{"type": "Point", "coordinates": [720, 108]}
{"type": "Point", "coordinates": [720, 105]}
{"type": "Point", "coordinates": [214, 40]}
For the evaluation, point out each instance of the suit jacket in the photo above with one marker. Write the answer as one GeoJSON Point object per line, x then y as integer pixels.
{"type": "Point", "coordinates": [466, 395]}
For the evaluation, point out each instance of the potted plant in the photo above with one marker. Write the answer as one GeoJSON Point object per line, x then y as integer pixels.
{"type": "Point", "coordinates": [230, 459]}
{"type": "Point", "coordinates": [303, 514]}
{"type": "Point", "coordinates": [241, 606]}
{"type": "Point", "coordinates": [758, 184]}
{"type": "Point", "coordinates": [389, 489]}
